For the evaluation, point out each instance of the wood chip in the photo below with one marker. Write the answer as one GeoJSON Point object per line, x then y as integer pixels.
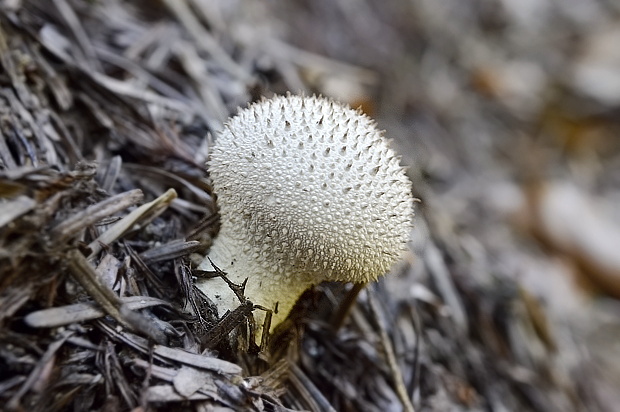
{"type": "Point", "coordinates": [189, 380]}
{"type": "Point", "coordinates": [14, 208]}
{"type": "Point", "coordinates": [80, 312]}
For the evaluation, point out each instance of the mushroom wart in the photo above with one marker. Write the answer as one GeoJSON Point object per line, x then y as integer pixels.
{"type": "Point", "coordinates": [309, 191]}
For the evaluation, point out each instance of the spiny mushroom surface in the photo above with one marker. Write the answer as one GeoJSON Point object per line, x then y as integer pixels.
{"type": "Point", "coordinates": [308, 191]}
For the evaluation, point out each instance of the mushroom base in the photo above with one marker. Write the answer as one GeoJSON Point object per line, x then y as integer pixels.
{"type": "Point", "coordinates": [262, 288]}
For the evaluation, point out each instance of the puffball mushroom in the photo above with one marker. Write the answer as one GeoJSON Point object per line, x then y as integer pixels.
{"type": "Point", "coordinates": [308, 191]}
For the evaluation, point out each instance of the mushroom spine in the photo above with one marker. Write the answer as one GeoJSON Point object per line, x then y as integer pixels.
{"type": "Point", "coordinates": [308, 191]}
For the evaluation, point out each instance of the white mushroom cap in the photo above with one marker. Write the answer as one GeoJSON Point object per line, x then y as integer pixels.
{"type": "Point", "coordinates": [308, 191]}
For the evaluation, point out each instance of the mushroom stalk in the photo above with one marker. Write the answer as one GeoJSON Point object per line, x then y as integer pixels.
{"type": "Point", "coordinates": [262, 287]}
{"type": "Point", "coordinates": [309, 191]}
